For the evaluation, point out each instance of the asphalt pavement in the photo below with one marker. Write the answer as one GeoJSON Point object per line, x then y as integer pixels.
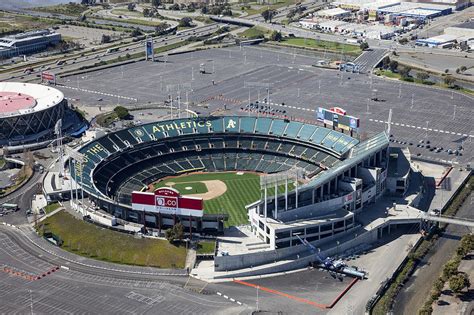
{"type": "Point", "coordinates": [235, 76]}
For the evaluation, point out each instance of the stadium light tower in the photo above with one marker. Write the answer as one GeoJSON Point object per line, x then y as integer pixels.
{"type": "Point", "coordinates": [78, 159]}
{"type": "Point", "coordinates": [59, 142]}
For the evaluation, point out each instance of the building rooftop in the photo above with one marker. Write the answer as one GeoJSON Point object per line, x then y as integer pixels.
{"type": "Point", "coordinates": [440, 39]}
{"type": "Point", "coordinates": [22, 98]}
{"type": "Point", "coordinates": [398, 163]}
{"type": "Point", "coordinates": [332, 12]}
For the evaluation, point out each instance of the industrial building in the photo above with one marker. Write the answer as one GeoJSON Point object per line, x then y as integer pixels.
{"type": "Point", "coordinates": [378, 8]}
{"type": "Point", "coordinates": [335, 13]}
{"type": "Point", "coordinates": [27, 43]}
{"type": "Point", "coordinates": [440, 41]}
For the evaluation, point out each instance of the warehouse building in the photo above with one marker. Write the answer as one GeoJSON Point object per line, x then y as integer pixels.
{"type": "Point", "coordinates": [27, 43]}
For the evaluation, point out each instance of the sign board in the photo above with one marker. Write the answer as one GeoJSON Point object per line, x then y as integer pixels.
{"type": "Point", "coordinates": [48, 77]}
{"type": "Point", "coordinates": [336, 119]}
{"type": "Point", "coordinates": [167, 201]}
{"type": "Point", "coordinates": [149, 53]}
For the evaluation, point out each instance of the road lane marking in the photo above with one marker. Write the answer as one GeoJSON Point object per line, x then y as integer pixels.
{"type": "Point", "coordinates": [424, 128]}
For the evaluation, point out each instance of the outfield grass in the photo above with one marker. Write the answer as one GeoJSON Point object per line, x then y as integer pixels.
{"type": "Point", "coordinates": [241, 191]}
{"type": "Point", "coordinates": [89, 240]}
{"type": "Point", "coordinates": [320, 45]}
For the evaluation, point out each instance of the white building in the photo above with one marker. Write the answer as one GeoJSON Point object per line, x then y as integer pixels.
{"type": "Point", "coordinates": [335, 13]}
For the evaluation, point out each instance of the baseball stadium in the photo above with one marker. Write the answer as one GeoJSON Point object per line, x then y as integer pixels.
{"type": "Point", "coordinates": [207, 173]}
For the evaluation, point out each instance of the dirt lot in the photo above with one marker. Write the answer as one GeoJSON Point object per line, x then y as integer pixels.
{"type": "Point", "coordinates": [87, 36]}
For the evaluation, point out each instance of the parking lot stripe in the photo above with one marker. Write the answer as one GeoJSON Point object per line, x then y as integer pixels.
{"type": "Point", "coordinates": [289, 296]}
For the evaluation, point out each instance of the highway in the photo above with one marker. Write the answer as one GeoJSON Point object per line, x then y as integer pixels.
{"type": "Point", "coordinates": [88, 59]}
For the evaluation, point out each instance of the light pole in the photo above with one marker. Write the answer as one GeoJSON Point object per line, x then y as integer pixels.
{"type": "Point", "coordinates": [258, 288]}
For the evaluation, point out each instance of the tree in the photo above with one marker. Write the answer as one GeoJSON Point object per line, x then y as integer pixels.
{"type": "Point", "coordinates": [131, 6]}
{"type": "Point", "coordinates": [393, 65]}
{"type": "Point", "coordinates": [156, 3]}
{"type": "Point", "coordinates": [185, 22]}
{"type": "Point", "coordinates": [364, 46]}
{"type": "Point", "coordinates": [169, 235]}
{"type": "Point", "coordinates": [105, 39]}
{"type": "Point", "coordinates": [175, 233]}
{"type": "Point", "coordinates": [466, 246]}
{"type": "Point", "coordinates": [178, 230]}
{"type": "Point", "coordinates": [175, 7]}
{"type": "Point", "coordinates": [385, 62]}
{"type": "Point", "coordinates": [204, 9]}
{"type": "Point", "coordinates": [403, 40]}
{"type": "Point", "coordinates": [121, 112]}
{"type": "Point", "coordinates": [458, 282]}
{"type": "Point", "coordinates": [449, 81]}
{"type": "Point", "coordinates": [161, 29]}
{"type": "Point", "coordinates": [405, 72]}
{"type": "Point", "coordinates": [463, 68]}
{"type": "Point", "coordinates": [450, 268]}
{"type": "Point", "coordinates": [446, 71]}
{"type": "Point", "coordinates": [268, 15]}
{"type": "Point", "coordinates": [276, 36]}
{"type": "Point", "coordinates": [422, 76]}
{"type": "Point", "coordinates": [136, 32]}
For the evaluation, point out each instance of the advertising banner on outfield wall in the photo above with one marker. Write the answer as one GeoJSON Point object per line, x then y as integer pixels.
{"type": "Point", "coordinates": [167, 201]}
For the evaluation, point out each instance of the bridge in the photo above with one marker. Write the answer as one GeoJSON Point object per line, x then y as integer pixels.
{"type": "Point", "coordinates": [451, 220]}
{"type": "Point", "coordinates": [412, 214]}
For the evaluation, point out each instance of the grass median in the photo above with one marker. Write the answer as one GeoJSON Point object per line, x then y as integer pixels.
{"type": "Point", "coordinates": [321, 45]}
{"type": "Point", "coordinates": [89, 240]}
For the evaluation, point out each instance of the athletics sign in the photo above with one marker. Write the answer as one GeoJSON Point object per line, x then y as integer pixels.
{"type": "Point", "coordinates": [168, 201]}
{"type": "Point", "coordinates": [48, 77]}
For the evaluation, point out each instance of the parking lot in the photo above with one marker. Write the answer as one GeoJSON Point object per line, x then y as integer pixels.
{"type": "Point", "coordinates": [233, 76]}
{"type": "Point", "coordinates": [67, 291]}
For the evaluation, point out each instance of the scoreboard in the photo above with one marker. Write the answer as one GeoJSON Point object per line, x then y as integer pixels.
{"type": "Point", "coordinates": [338, 120]}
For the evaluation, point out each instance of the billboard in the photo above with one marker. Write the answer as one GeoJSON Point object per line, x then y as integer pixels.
{"type": "Point", "coordinates": [168, 201]}
{"type": "Point", "coordinates": [336, 119]}
{"type": "Point", "coordinates": [149, 49]}
{"type": "Point", "coordinates": [48, 77]}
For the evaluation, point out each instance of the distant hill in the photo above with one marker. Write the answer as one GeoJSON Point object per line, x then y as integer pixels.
{"type": "Point", "coordinates": [19, 4]}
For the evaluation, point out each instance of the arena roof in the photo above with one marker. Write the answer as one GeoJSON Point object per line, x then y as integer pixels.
{"type": "Point", "coordinates": [24, 98]}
